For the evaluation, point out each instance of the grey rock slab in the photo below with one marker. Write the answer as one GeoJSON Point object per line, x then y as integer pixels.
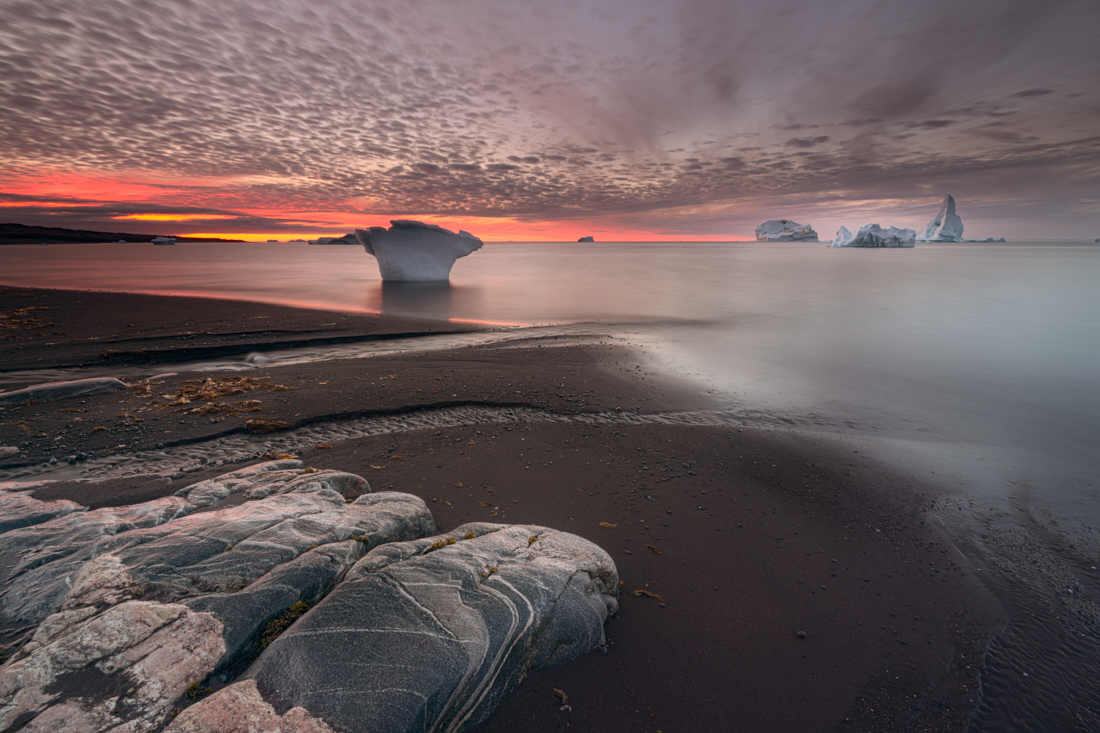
{"type": "Point", "coordinates": [57, 534]}
{"type": "Point", "coordinates": [116, 670]}
{"type": "Point", "coordinates": [213, 490]}
{"type": "Point", "coordinates": [60, 390]}
{"type": "Point", "coordinates": [20, 509]}
{"type": "Point", "coordinates": [128, 622]}
{"type": "Point", "coordinates": [215, 551]}
{"type": "Point", "coordinates": [430, 635]}
{"type": "Point", "coordinates": [225, 713]}
{"type": "Point", "coordinates": [7, 451]}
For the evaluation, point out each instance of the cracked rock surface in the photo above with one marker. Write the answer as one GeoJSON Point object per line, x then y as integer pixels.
{"type": "Point", "coordinates": [134, 605]}
{"type": "Point", "coordinates": [427, 635]}
{"type": "Point", "coordinates": [134, 608]}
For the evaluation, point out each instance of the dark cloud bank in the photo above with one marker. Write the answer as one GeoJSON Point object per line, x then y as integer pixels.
{"type": "Point", "coordinates": [632, 111]}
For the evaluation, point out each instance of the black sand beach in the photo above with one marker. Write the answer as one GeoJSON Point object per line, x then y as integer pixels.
{"type": "Point", "coordinates": [772, 581]}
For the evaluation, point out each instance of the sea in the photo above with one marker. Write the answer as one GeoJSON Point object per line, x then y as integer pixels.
{"type": "Point", "coordinates": [971, 366]}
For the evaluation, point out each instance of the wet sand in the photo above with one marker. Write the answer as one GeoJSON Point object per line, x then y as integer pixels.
{"type": "Point", "coordinates": [734, 539]}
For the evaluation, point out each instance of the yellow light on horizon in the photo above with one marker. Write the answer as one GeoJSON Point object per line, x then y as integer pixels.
{"type": "Point", "coordinates": [175, 217]}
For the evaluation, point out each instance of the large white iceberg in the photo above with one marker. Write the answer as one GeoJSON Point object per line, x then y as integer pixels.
{"type": "Point", "coordinates": [411, 251]}
{"type": "Point", "coordinates": [873, 235]}
{"type": "Point", "coordinates": [946, 226]}
{"type": "Point", "coordinates": [785, 230]}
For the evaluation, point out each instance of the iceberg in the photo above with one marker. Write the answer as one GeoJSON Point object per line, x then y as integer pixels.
{"type": "Point", "coordinates": [946, 226]}
{"type": "Point", "coordinates": [411, 251]}
{"type": "Point", "coordinates": [589, 238]}
{"type": "Point", "coordinates": [348, 238]}
{"type": "Point", "coordinates": [785, 230]}
{"type": "Point", "coordinates": [163, 240]}
{"type": "Point", "coordinates": [873, 235]}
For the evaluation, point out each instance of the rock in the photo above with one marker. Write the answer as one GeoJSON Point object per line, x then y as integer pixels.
{"type": "Point", "coordinates": [785, 230]}
{"type": "Point", "coordinates": [179, 556]}
{"type": "Point", "coordinates": [136, 606]}
{"type": "Point", "coordinates": [61, 390]}
{"type": "Point", "coordinates": [946, 226]}
{"type": "Point", "coordinates": [223, 713]}
{"type": "Point", "coordinates": [7, 451]}
{"type": "Point", "coordinates": [20, 509]}
{"type": "Point", "coordinates": [588, 238]}
{"type": "Point", "coordinates": [131, 618]}
{"type": "Point", "coordinates": [873, 235]}
{"type": "Point", "coordinates": [412, 251]}
{"type": "Point", "coordinates": [438, 631]}
{"type": "Point", "coordinates": [210, 553]}
{"type": "Point", "coordinates": [124, 666]}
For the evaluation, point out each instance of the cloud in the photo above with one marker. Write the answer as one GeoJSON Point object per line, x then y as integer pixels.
{"type": "Point", "coordinates": [589, 108]}
{"type": "Point", "coordinates": [806, 142]}
{"type": "Point", "coordinates": [1033, 93]}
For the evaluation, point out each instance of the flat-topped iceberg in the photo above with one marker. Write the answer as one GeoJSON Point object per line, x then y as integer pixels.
{"type": "Point", "coordinates": [946, 226]}
{"type": "Point", "coordinates": [411, 251]}
{"type": "Point", "coordinates": [588, 238]}
{"type": "Point", "coordinates": [348, 238]}
{"type": "Point", "coordinates": [785, 230]}
{"type": "Point", "coordinates": [873, 235]}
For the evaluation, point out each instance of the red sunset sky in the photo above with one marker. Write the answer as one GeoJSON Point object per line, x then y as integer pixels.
{"type": "Point", "coordinates": [651, 120]}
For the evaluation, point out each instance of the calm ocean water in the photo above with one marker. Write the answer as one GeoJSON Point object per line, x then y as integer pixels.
{"type": "Point", "coordinates": [974, 365]}
{"type": "Point", "coordinates": [992, 346]}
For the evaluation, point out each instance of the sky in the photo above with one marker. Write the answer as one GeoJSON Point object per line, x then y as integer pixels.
{"type": "Point", "coordinates": [545, 121]}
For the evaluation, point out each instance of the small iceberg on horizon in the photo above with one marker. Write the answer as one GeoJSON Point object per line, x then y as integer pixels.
{"type": "Point", "coordinates": [785, 230]}
{"type": "Point", "coordinates": [588, 238]}
{"type": "Point", "coordinates": [873, 235]}
{"type": "Point", "coordinates": [164, 240]}
{"type": "Point", "coordinates": [348, 238]}
{"type": "Point", "coordinates": [412, 251]}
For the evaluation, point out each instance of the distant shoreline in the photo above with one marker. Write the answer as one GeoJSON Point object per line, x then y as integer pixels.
{"type": "Point", "coordinates": [11, 233]}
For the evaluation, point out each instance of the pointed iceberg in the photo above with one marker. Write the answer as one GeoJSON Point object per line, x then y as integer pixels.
{"type": "Point", "coordinates": [411, 251]}
{"type": "Point", "coordinates": [873, 235]}
{"type": "Point", "coordinates": [946, 226]}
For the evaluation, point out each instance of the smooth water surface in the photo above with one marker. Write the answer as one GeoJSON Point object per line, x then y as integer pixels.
{"type": "Point", "coordinates": [991, 346]}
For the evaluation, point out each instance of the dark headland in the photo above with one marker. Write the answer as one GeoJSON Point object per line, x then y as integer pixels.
{"type": "Point", "coordinates": [772, 581]}
{"type": "Point", "coordinates": [25, 234]}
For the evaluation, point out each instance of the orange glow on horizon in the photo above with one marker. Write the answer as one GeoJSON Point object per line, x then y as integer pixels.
{"type": "Point", "coordinates": [75, 189]}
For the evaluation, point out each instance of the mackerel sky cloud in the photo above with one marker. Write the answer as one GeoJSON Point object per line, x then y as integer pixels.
{"type": "Point", "coordinates": [645, 119]}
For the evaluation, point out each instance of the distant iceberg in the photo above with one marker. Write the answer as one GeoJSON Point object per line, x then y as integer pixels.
{"type": "Point", "coordinates": [411, 251]}
{"type": "Point", "coordinates": [163, 240]}
{"type": "Point", "coordinates": [348, 238]}
{"type": "Point", "coordinates": [998, 239]}
{"type": "Point", "coordinates": [946, 226]}
{"type": "Point", "coordinates": [785, 230]}
{"type": "Point", "coordinates": [873, 235]}
{"type": "Point", "coordinates": [588, 238]}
